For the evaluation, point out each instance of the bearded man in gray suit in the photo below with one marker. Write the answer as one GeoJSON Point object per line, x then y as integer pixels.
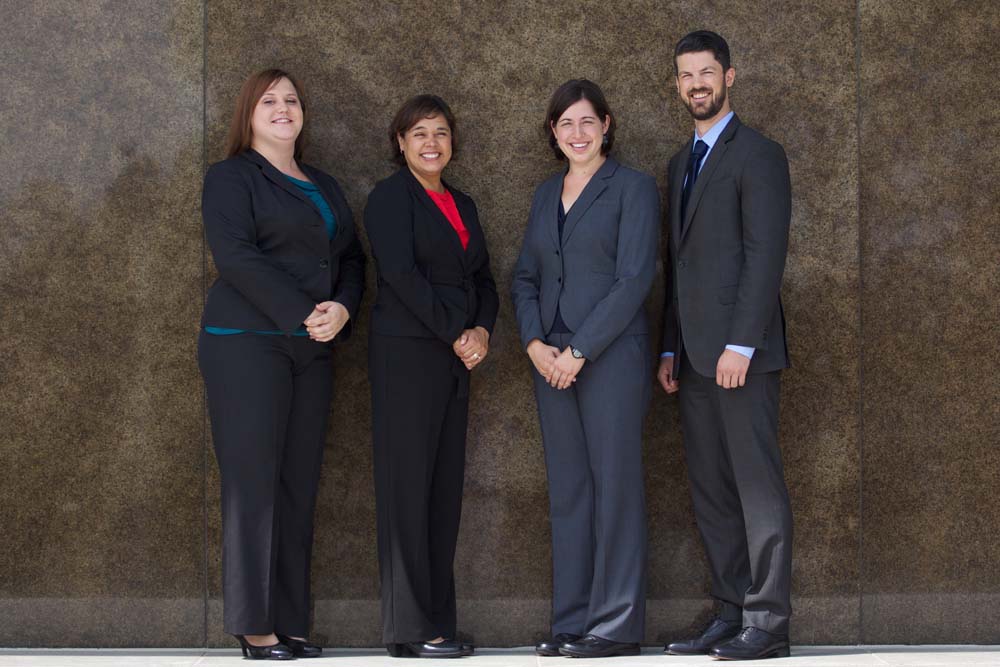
{"type": "Point", "coordinates": [723, 352]}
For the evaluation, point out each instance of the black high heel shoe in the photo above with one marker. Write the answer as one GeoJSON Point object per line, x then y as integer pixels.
{"type": "Point", "coordinates": [445, 649]}
{"type": "Point", "coordinates": [300, 648]}
{"type": "Point", "coordinates": [273, 652]}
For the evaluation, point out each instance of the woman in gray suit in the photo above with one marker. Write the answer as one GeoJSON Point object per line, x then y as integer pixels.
{"type": "Point", "coordinates": [586, 265]}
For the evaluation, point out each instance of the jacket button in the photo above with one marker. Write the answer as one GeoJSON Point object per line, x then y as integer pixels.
{"type": "Point", "coordinates": [558, 280]}
{"type": "Point", "coordinates": [323, 264]}
{"type": "Point", "coordinates": [682, 264]}
{"type": "Point", "coordinates": [557, 252]}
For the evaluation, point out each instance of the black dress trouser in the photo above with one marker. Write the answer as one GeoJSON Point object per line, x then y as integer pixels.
{"type": "Point", "coordinates": [269, 401]}
{"type": "Point", "coordinates": [739, 495]}
{"type": "Point", "coordinates": [420, 410]}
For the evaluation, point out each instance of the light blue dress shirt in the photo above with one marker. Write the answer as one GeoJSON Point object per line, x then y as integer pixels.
{"type": "Point", "coordinates": [710, 138]}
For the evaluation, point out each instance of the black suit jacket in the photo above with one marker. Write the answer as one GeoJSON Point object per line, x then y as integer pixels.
{"type": "Point", "coordinates": [727, 257]}
{"type": "Point", "coordinates": [271, 248]}
{"type": "Point", "coordinates": [429, 287]}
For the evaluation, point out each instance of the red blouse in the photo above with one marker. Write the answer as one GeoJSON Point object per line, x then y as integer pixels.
{"type": "Point", "coordinates": [446, 203]}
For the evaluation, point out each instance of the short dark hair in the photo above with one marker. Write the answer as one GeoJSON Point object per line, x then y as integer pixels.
{"type": "Point", "coordinates": [241, 127]}
{"type": "Point", "coordinates": [704, 40]}
{"type": "Point", "coordinates": [412, 112]}
{"type": "Point", "coordinates": [569, 94]}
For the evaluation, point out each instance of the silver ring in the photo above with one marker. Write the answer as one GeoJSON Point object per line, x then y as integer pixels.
{"type": "Point", "coordinates": [475, 355]}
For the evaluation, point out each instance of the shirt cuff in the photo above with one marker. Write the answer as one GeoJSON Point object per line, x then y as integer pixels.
{"type": "Point", "coordinates": [666, 354]}
{"type": "Point", "coordinates": [745, 351]}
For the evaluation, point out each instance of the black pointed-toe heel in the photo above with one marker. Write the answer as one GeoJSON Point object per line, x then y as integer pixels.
{"type": "Point", "coordinates": [273, 652]}
{"type": "Point", "coordinates": [300, 648]}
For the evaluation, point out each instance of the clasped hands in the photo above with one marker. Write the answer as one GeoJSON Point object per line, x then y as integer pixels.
{"type": "Point", "coordinates": [472, 346]}
{"type": "Point", "coordinates": [730, 372]}
{"type": "Point", "coordinates": [326, 320]}
{"type": "Point", "coordinates": [558, 368]}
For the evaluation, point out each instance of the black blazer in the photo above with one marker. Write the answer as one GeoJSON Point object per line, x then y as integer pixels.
{"type": "Point", "coordinates": [429, 287]}
{"type": "Point", "coordinates": [727, 257]}
{"type": "Point", "coordinates": [271, 248]}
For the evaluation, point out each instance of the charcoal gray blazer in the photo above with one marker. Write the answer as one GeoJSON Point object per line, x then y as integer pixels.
{"type": "Point", "coordinates": [727, 256]}
{"type": "Point", "coordinates": [601, 271]}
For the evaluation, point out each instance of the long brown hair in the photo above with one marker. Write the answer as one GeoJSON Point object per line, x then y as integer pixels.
{"type": "Point", "coordinates": [241, 128]}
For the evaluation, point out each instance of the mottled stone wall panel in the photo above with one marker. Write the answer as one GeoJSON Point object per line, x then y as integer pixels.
{"type": "Point", "coordinates": [890, 317]}
{"type": "Point", "coordinates": [930, 249]}
{"type": "Point", "coordinates": [101, 280]}
{"type": "Point", "coordinates": [497, 64]}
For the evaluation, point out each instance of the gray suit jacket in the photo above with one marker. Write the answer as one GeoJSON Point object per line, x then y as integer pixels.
{"type": "Point", "coordinates": [601, 272]}
{"type": "Point", "coordinates": [727, 257]}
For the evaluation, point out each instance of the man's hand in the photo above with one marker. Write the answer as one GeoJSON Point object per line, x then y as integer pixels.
{"type": "Point", "coordinates": [543, 357]}
{"type": "Point", "coordinates": [731, 371]}
{"type": "Point", "coordinates": [326, 321]}
{"type": "Point", "coordinates": [564, 369]}
{"type": "Point", "coordinates": [472, 346]}
{"type": "Point", "coordinates": [665, 375]}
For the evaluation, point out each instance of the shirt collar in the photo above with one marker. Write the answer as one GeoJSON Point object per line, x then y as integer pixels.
{"type": "Point", "coordinates": [715, 131]}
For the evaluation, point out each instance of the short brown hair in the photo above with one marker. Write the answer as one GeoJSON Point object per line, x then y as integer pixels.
{"type": "Point", "coordinates": [569, 94]}
{"type": "Point", "coordinates": [241, 128]}
{"type": "Point", "coordinates": [412, 112]}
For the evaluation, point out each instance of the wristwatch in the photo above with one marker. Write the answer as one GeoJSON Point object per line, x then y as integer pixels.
{"type": "Point", "coordinates": [577, 354]}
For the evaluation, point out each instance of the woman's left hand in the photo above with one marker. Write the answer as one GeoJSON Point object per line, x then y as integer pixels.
{"type": "Point", "coordinates": [325, 326]}
{"type": "Point", "coordinates": [565, 369]}
{"type": "Point", "coordinates": [472, 346]}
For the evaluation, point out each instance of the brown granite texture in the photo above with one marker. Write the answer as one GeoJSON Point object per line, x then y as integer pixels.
{"type": "Point", "coordinates": [102, 500]}
{"type": "Point", "coordinates": [496, 64]}
{"type": "Point", "coordinates": [931, 306]}
{"type": "Point", "coordinates": [112, 489]}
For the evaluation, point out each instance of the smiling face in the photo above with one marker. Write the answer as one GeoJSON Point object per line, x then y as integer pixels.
{"type": "Point", "coordinates": [703, 86]}
{"type": "Point", "coordinates": [427, 148]}
{"type": "Point", "coordinates": [579, 132]}
{"type": "Point", "coordinates": [277, 117]}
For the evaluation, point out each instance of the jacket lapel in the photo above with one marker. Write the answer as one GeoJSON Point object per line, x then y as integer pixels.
{"type": "Point", "coordinates": [279, 179]}
{"type": "Point", "coordinates": [677, 166]}
{"type": "Point", "coordinates": [425, 200]}
{"type": "Point", "coordinates": [467, 212]}
{"type": "Point", "coordinates": [550, 210]}
{"type": "Point", "coordinates": [705, 175]}
{"type": "Point", "coordinates": [593, 189]}
{"type": "Point", "coordinates": [341, 214]}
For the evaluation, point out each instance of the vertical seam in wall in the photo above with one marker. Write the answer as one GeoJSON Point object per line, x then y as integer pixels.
{"type": "Point", "coordinates": [860, 342]}
{"type": "Point", "coordinates": [204, 281]}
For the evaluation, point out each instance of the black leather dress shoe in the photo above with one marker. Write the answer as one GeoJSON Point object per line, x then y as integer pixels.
{"type": "Point", "coordinates": [301, 648]}
{"type": "Point", "coordinates": [752, 644]}
{"type": "Point", "coordinates": [717, 632]}
{"type": "Point", "coordinates": [446, 649]}
{"type": "Point", "coordinates": [467, 649]}
{"type": "Point", "coordinates": [549, 648]}
{"type": "Point", "coordinates": [593, 646]}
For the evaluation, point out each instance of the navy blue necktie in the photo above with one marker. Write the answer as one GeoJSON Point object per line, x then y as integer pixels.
{"type": "Point", "coordinates": [697, 154]}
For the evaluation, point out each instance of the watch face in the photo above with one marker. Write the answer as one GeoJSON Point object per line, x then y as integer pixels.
{"type": "Point", "coordinates": [577, 354]}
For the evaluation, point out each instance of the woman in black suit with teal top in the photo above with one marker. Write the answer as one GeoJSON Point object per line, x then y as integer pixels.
{"type": "Point", "coordinates": [291, 275]}
{"type": "Point", "coordinates": [431, 324]}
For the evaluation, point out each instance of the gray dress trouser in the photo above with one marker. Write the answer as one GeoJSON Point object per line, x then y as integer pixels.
{"type": "Point", "coordinates": [592, 434]}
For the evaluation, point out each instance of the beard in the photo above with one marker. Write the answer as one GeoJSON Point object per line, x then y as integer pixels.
{"type": "Point", "coordinates": [714, 104]}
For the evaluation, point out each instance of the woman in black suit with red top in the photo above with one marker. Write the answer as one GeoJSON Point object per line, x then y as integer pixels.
{"type": "Point", "coordinates": [431, 324]}
{"type": "Point", "coordinates": [291, 274]}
